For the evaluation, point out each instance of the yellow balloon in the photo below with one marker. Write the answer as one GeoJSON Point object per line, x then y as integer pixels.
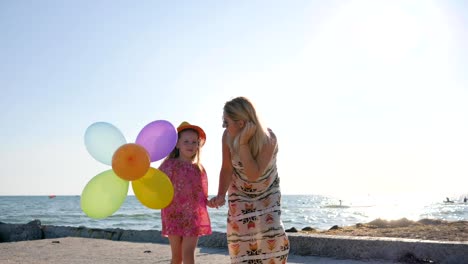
{"type": "Point", "coordinates": [103, 195]}
{"type": "Point", "coordinates": [154, 190]}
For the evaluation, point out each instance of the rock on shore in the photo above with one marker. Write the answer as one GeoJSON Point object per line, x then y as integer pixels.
{"type": "Point", "coordinates": [34, 230]}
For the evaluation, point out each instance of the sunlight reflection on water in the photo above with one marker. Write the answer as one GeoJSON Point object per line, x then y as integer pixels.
{"type": "Point", "coordinates": [299, 211]}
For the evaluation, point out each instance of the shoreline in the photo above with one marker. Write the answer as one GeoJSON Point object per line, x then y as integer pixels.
{"type": "Point", "coordinates": [424, 229]}
{"type": "Point", "coordinates": [301, 243]}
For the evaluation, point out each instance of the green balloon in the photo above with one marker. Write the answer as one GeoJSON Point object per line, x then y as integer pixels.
{"type": "Point", "coordinates": [103, 195]}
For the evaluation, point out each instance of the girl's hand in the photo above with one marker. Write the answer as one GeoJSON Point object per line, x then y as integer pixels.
{"type": "Point", "coordinates": [216, 201]}
{"type": "Point", "coordinates": [247, 133]}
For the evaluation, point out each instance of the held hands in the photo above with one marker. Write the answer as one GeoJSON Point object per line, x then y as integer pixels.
{"type": "Point", "coordinates": [247, 133]}
{"type": "Point", "coordinates": [216, 201]}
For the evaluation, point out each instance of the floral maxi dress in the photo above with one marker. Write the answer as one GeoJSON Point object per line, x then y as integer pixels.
{"type": "Point", "coordinates": [255, 232]}
{"type": "Point", "coordinates": [187, 214]}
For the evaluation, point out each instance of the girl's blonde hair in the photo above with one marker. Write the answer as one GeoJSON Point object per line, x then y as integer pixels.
{"type": "Point", "coordinates": [195, 158]}
{"type": "Point", "coordinates": [241, 108]}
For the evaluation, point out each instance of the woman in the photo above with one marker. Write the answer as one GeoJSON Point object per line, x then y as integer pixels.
{"type": "Point", "coordinates": [248, 173]}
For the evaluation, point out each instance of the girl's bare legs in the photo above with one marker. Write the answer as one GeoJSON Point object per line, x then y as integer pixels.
{"type": "Point", "coordinates": [176, 249]}
{"type": "Point", "coordinates": [188, 249]}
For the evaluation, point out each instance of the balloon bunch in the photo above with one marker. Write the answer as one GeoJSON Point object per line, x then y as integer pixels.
{"type": "Point", "coordinates": [106, 192]}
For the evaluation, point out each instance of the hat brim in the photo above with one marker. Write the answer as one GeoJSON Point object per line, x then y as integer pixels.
{"type": "Point", "coordinates": [201, 133]}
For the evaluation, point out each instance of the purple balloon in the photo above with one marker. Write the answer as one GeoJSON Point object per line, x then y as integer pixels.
{"type": "Point", "coordinates": [159, 138]}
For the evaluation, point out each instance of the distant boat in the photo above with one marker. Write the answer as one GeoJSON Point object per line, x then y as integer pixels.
{"type": "Point", "coordinates": [447, 200]}
{"type": "Point", "coordinates": [52, 196]}
{"type": "Point", "coordinates": [337, 206]}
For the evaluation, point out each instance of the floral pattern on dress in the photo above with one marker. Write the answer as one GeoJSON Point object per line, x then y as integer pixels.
{"type": "Point", "coordinates": [255, 232]}
{"type": "Point", "coordinates": [187, 214]}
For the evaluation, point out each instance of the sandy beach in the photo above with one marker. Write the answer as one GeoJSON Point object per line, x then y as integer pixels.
{"type": "Point", "coordinates": [424, 229]}
{"type": "Point", "coordinates": [74, 250]}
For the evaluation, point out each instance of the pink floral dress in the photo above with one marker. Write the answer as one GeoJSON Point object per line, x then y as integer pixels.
{"type": "Point", "coordinates": [187, 215]}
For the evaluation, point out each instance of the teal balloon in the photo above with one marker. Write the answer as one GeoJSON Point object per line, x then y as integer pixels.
{"type": "Point", "coordinates": [102, 140]}
{"type": "Point", "coordinates": [104, 195]}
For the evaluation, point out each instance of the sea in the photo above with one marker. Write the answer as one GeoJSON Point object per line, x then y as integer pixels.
{"type": "Point", "coordinates": [299, 211]}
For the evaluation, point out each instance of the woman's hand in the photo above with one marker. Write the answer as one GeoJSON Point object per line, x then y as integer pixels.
{"type": "Point", "coordinates": [216, 201]}
{"type": "Point", "coordinates": [247, 133]}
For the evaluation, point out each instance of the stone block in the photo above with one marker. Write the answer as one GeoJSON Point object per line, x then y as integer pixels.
{"type": "Point", "coordinates": [20, 232]}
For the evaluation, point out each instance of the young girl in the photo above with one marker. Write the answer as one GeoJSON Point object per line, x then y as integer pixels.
{"type": "Point", "coordinates": [186, 218]}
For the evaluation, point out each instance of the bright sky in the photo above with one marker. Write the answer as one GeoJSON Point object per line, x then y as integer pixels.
{"type": "Point", "coordinates": [366, 97]}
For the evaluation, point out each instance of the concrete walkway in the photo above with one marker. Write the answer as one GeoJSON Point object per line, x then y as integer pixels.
{"type": "Point", "coordinates": [76, 250]}
{"type": "Point", "coordinates": [56, 243]}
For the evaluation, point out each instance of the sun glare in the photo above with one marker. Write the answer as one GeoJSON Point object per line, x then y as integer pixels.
{"type": "Point", "coordinates": [392, 207]}
{"type": "Point", "coordinates": [383, 31]}
{"type": "Point", "coordinates": [381, 69]}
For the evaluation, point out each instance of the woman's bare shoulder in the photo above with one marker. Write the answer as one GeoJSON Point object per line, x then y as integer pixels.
{"type": "Point", "coordinates": [271, 137]}
{"type": "Point", "coordinates": [270, 144]}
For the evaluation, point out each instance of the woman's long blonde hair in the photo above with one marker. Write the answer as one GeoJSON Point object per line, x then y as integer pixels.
{"type": "Point", "coordinates": [241, 108]}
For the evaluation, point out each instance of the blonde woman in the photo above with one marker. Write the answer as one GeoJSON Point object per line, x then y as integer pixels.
{"type": "Point", "coordinates": [248, 174]}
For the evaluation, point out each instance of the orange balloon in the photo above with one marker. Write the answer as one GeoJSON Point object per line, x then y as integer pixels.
{"type": "Point", "coordinates": [131, 161]}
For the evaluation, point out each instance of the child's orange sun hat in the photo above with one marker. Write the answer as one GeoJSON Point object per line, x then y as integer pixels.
{"type": "Point", "coordinates": [186, 125]}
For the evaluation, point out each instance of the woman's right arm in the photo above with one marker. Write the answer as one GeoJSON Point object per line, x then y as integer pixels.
{"type": "Point", "coordinates": [225, 175]}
